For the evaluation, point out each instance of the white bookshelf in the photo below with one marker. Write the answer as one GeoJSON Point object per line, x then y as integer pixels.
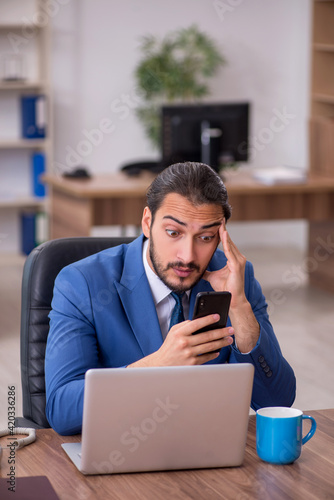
{"type": "Point", "coordinates": [22, 85]}
{"type": "Point", "coordinates": [23, 202]}
{"type": "Point", "coordinates": [25, 39]}
{"type": "Point", "coordinates": [34, 144]}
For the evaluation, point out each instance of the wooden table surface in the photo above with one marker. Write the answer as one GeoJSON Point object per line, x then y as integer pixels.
{"type": "Point", "coordinates": [98, 186]}
{"type": "Point", "coordinates": [310, 477]}
{"type": "Point", "coordinates": [239, 181]}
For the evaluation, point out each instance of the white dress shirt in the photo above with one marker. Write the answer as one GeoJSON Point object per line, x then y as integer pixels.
{"type": "Point", "coordinates": [164, 302]}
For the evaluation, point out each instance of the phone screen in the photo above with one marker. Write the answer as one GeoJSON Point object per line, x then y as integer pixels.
{"type": "Point", "coordinates": [212, 303]}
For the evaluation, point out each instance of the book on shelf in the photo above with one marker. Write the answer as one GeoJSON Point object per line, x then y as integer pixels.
{"type": "Point", "coordinates": [37, 170]}
{"type": "Point", "coordinates": [34, 230]}
{"type": "Point", "coordinates": [33, 116]}
{"type": "Point", "coordinates": [28, 231]}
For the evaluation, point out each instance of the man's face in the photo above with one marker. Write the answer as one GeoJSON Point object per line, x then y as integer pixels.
{"type": "Point", "coordinates": [182, 240]}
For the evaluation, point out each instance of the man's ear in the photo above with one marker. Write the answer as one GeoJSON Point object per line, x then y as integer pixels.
{"type": "Point", "coordinates": [146, 222]}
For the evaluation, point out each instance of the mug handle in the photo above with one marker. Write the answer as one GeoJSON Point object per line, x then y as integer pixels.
{"type": "Point", "coordinates": [311, 431]}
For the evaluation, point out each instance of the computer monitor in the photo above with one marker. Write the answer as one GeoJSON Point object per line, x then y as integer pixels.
{"type": "Point", "coordinates": [215, 134]}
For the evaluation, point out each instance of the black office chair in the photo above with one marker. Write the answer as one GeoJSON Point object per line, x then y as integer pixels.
{"type": "Point", "coordinates": [39, 273]}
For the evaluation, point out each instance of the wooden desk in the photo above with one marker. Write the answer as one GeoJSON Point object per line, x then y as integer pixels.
{"type": "Point", "coordinates": [310, 477]}
{"type": "Point", "coordinates": [77, 205]}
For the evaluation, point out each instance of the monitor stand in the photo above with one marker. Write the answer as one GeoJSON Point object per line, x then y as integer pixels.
{"type": "Point", "coordinates": [210, 144]}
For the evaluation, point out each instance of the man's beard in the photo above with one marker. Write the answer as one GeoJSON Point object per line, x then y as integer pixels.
{"type": "Point", "coordinates": [161, 271]}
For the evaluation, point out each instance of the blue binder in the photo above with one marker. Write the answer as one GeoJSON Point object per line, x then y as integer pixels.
{"type": "Point", "coordinates": [38, 169]}
{"type": "Point", "coordinates": [28, 231]}
{"type": "Point", "coordinates": [33, 111]}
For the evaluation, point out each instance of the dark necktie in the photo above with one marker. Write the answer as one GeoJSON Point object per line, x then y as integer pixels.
{"type": "Point", "coordinates": [177, 314]}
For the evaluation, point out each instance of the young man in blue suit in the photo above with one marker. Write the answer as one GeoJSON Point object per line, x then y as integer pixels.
{"type": "Point", "coordinates": [113, 309]}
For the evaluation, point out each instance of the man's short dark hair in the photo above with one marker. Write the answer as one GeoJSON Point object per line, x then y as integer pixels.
{"type": "Point", "coordinates": [197, 182]}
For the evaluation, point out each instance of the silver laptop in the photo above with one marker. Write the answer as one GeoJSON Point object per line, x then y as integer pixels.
{"type": "Point", "coordinates": [149, 419]}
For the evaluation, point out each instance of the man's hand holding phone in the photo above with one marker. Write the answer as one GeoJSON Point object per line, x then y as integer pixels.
{"type": "Point", "coordinates": [182, 347]}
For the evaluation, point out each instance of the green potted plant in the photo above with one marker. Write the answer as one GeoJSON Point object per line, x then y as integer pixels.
{"type": "Point", "coordinates": [175, 69]}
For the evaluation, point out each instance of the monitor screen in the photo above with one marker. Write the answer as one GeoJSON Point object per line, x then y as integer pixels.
{"type": "Point", "coordinates": [215, 134]}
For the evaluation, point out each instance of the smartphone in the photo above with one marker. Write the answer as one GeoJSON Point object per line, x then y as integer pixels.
{"type": "Point", "coordinates": [211, 303]}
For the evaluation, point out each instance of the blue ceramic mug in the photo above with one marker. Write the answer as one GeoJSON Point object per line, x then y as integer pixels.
{"type": "Point", "coordinates": [279, 435]}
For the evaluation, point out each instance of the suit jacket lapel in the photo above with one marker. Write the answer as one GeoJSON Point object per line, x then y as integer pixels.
{"type": "Point", "coordinates": [135, 294]}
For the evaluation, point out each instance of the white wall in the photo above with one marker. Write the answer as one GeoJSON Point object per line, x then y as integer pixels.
{"type": "Point", "coordinates": [95, 49]}
{"type": "Point", "coordinates": [266, 44]}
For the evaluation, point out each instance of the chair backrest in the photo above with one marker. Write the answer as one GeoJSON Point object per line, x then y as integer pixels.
{"type": "Point", "coordinates": [39, 273]}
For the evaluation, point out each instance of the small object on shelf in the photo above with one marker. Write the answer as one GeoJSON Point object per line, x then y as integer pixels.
{"type": "Point", "coordinates": [12, 68]}
{"type": "Point", "coordinates": [279, 175]}
{"type": "Point", "coordinates": [78, 173]}
{"type": "Point", "coordinates": [135, 168]}
{"type": "Point", "coordinates": [28, 231]}
{"type": "Point", "coordinates": [33, 108]}
{"type": "Point", "coordinates": [38, 169]}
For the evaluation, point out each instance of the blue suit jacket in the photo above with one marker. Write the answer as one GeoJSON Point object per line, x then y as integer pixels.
{"type": "Point", "coordinates": [103, 315]}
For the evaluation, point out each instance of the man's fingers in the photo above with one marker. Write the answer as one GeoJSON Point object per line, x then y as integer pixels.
{"type": "Point", "coordinates": [199, 323]}
{"type": "Point", "coordinates": [231, 251]}
{"type": "Point", "coordinates": [211, 347]}
{"type": "Point", "coordinates": [189, 327]}
{"type": "Point", "coordinates": [226, 241]}
{"type": "Point", "coordinates": [231, 248]}
{"type": "Point", "coordinates": [214, 335]}
{"type": "Point", "coordinates": [197, 348]}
